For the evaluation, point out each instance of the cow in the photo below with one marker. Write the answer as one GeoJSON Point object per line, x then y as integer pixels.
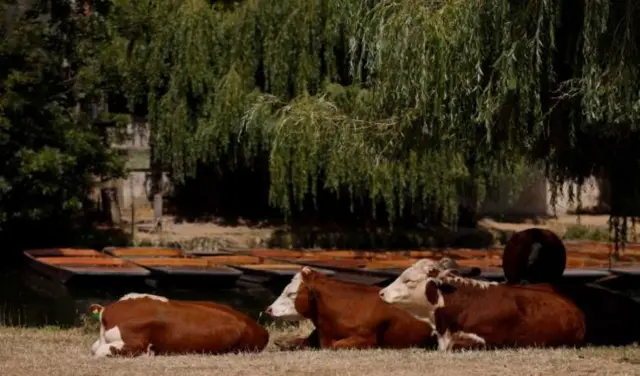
{"type": "Point", "coordinates": [534, 255]}
{"type": "Point", "coordinates": [145, 324]}
{"type": "Point", "coordinates": [472, 314]}
{"type": "Point", "coordinates": [347, 315]}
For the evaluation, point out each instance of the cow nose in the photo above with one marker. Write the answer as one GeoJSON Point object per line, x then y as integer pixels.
{"type": "Point", "coordinates": [381, 293]}
{"type": "Point", "coordinates": [268, 310]}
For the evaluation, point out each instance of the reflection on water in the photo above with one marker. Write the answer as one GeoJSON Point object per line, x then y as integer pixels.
{"type": "Point", "coordinates": [30, 299]}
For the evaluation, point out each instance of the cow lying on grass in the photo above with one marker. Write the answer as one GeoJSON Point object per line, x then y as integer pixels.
{"type": "Point", "coordinates": [347, 315]}
{"type": "Point", "coordinates": [468, 313]}
{"type": "Point", "coordinates": [140, 324]}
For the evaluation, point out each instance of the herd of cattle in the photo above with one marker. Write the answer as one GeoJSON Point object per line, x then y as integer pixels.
{"type": "Point", "coordinates": [431, 305]}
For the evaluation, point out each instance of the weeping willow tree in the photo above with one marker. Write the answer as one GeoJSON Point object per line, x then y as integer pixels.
{"type": "Point", "coordinates": [410, 104]}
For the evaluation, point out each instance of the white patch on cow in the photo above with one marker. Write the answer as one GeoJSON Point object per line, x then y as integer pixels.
{"type": "Point", "coordinates": [111, 339]}
{"type": "Point", "coordinates": [408, 290]}
{"type": "Point", "coordinates": [444, 341]}
{"type": "Point", "coordinates": [448, 340]}
{"type": "Point", "coordinates": [135, 295]}
{"type": "Point", "coordinates": [284, 307]}
{"type": "Point", "coordinates": [535, 253]}
{"type": "Point", "coordinates": [472, 336]}
{"type": "Point", "coordinates": [95, 345]}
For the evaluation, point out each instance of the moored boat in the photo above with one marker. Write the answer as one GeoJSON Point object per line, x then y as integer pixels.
{"type": "Point", "coordinates": [67, 264]}
{"type": "Point", "coordinates": [172, 267]}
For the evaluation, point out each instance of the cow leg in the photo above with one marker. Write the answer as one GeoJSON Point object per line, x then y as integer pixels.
{"type": "Point", "coordinates": [114, 344]}
{"type": "Point", "coordinates": [108, 349]}
{"type": "Point", "coordinates": [353, 343]}
{"type": "Point", "coordinates": [111, 340]}
{"type": "Point", "coordinates": [463, 341]}
{"type": "Point", "coordinates": [131, 349]}
{"type": "Point", "coordinates": [94, 346]}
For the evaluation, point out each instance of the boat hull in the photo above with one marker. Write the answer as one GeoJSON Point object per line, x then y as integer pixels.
{"type": "Point", "coordinates": [172, 268]}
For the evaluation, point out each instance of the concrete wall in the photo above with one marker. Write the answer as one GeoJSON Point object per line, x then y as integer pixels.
{"type": "Point", "coordinates": [136, 188]}
{"type": "Point", "coordinates": [535, 199]}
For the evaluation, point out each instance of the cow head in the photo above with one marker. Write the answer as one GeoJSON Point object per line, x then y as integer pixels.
{"type": "Point", "coordinates": [408, 290]}
{"type": "Point", "coordinates": [284, 307]}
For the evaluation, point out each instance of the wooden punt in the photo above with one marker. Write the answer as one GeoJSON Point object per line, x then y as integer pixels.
{"type": "Point", "coordinates": [173, 266]}
{"type": "Point", "coordinates": [270, 273]}
{"type": "Point", "coordinates": [67, 264]}
{"type": "Point", "coordinates": [588, 246]}
{"type": "Point", "coordinates": [146, 252]}
{"type": "Point", "coordinates": [584, 263]}
{"type": "Point", "coordinates": [356, 270]}
{"type": "Point", "coordinates": [370, 267]}
{"type": "Point", "coordinates": [255, 265]}
{"type": "Point", "coordinates": [277, 263]}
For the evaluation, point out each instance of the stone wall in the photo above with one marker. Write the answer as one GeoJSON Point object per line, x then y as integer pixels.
{"type": "Point", "coordinates": [535, 199]}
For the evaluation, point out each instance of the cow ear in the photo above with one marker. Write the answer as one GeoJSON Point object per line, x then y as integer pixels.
{"type": "Point", "coordinates": [447, 263]}
{"type": "Point", "coordinates": [431, 292]}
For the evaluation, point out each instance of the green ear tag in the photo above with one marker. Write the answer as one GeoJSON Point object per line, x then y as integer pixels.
{"type": "Point", "coordinates": [96, 314]}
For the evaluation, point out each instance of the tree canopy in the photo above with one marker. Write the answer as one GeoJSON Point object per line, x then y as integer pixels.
{"type": "Point", "coordinates": [410, 104]}
{"type": "Point", "coordinates": [402, 102]}
{"type": "Point", "coordinates": [51, 151]}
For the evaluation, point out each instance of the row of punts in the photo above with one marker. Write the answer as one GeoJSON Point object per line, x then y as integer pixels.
{"type": "Point", "coordinates": [585, 260]}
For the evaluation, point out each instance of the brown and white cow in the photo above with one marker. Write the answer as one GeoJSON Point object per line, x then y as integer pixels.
{"type": "Point", "coordinates": [347, 315]}
{"type": "Point", "coordinates": [140, 324]}
{"type": "Point", "coordinates": [534, 255]}
{"type": "Point", "coordinates": [468, 313]}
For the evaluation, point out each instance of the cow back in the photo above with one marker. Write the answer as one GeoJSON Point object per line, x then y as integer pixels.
{"type": "Point", "coordinates": [534, 255]}
{"type": "Point", "coordinates": [508, 316]}
{"type": "Point", "coordinates": [184, 326]}
{"type": "Point", "coordinates": [343, 309]}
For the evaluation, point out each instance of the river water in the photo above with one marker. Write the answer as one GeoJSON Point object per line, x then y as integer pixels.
{"type": "Point", "coordinates": [32, 300]}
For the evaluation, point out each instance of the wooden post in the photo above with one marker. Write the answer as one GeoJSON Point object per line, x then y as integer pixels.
{"type": "Point", "coordinates": [133, 210]}
{"type": "Point", "coordinates": [156, 182]}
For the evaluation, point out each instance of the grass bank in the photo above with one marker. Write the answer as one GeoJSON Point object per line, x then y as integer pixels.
{"type": "Point", "coordinates": [52, 352]}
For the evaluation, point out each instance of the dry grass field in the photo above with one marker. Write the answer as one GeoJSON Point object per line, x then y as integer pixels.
{"type": "Point", "coordinates": [52, 352]}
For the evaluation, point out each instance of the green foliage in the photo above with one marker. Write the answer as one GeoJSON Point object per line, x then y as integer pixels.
{"type": "Point", "coordinates": [50, 152]}
{"type": "Point", "coordinates": [582, 232]}
{"type": "Point", "coordinates": [413, 103]}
